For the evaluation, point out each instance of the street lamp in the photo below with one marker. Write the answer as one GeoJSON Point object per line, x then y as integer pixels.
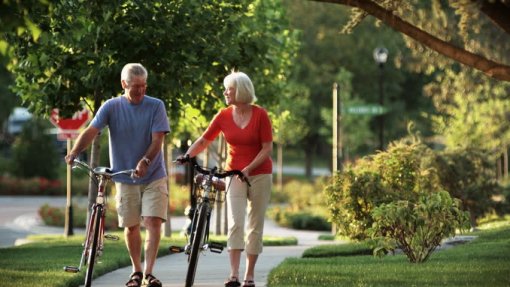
{"type": "Point", "coordinates": [380, 57]}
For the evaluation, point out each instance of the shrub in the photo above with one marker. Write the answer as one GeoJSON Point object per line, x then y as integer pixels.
{"type": "Point", "coordinates": [179, 199]}
{"type": "Point", "coordinates": [303, 220]}
{"type": "Point", "coordinates": [55, 216]}
{"type": "Point", "coordinates": [30, 186]}
{"type": "Point", "coordinates": [303, 194]}
{"type": "Point", "coordinates": [307, 221]}
{"type": "Point", "coordinates": [35, 153]}
{"type": "Point", "coordinates": [469, 175]}
{"type": "Point", "coordinates": [417, 228]}
{"type": "Point", "coordinates": [305, 208]}
{"type": "Point", "coordinates": [351, 198]}
{"type": "Point", "coordinates": [401, 173]}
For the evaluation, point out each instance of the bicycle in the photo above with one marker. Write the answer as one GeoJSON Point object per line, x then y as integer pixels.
{"type": "Point", "coordinates": [207, 189]}
{"type": "Point", "coordinates": [95, 231]}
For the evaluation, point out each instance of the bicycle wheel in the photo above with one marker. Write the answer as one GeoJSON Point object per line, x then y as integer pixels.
{"type": "Point", "coordinates": [97, 214]}
{"type": "Point", "coordinates": [198, 243]}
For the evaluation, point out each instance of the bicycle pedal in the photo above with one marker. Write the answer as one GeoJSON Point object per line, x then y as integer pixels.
{"type": "Point", "coordinates": [215, 247]}
{"type": "Point", "coordinates": [175, 249]}
{"type": "Point", "coordinates": [111, 237]}
{"type": "Point", "coordinates": [71, 269]}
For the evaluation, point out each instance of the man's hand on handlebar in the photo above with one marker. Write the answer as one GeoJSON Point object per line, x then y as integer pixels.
{"type": "Point", "coordinates": [70, 158]}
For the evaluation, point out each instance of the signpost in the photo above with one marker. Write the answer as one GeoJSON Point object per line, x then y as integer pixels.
{"type": "Point", "coordinates": [365, 110]}
{"type": "Point", "coordinates": [68, 129]}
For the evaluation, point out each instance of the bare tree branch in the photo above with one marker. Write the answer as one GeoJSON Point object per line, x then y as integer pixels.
{"type": "Point", "coordinates": [498, 12]}
{"type": "Point", "coordinates": [487, 66]}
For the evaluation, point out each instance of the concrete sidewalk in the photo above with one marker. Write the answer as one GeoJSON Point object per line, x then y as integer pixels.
{"type": "Point", "coordinates": [214, 268]}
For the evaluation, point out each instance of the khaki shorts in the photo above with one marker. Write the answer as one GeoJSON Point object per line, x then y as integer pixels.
{"type": "Point", "coordinates": [135, 201]}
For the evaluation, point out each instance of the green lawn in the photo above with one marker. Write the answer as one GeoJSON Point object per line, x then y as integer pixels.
{"type": "Point", "coordinates": [41, 263]}
{"type": "Point", "coordinates": [481, 262]}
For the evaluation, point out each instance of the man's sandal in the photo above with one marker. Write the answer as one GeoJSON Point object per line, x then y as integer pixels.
{"type": "Point", "coordinates": [249, 283]}
{"type": "Point", "coordinates": [232, 282]}
{"type": "Point", "coordinates": [135, 279]}
{"type": "Point", "coordinates": [152, 281]}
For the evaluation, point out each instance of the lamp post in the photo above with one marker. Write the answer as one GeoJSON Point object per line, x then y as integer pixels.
{"type": "Point", "coordinates": [380, 57]}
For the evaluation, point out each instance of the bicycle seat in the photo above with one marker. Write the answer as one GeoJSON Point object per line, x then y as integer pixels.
{"type": "Point", "coordinates": [102, 170]}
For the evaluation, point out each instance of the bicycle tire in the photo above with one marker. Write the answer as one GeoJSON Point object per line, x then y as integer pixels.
{"type": "Point", "coordinates": [97, 215]}
{"type": "Point", "coordinates": [198, 243]}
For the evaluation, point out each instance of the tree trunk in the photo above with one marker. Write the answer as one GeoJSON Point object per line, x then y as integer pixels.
{"type": "Point", "coordinates": [309, 162]}
{"type": "Point", "coordinates": [167, 155]}
{"type": "Point", "coordinates": [472, 219]}
{"type": "Point", "coordinates": [505, 163]}
{"type": "Point", "coordinates": [94, 162]}
{"type": "Point", "coordinates": [499, 169]}
{"type": "Point", "coordinates": [279, 167]}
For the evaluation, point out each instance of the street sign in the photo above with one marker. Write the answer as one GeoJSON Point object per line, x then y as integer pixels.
{"type": "Point", "coordinates": [364, 110]}
{"type": "Point", "coordinates": [68, 127]}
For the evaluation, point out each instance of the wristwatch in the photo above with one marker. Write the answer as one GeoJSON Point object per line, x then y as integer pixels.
{"type": "Point", "coordinates": [146, 160]}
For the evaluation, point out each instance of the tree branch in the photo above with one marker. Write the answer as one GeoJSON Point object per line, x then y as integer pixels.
{"type": "Point", "coordinates": [489, 67]}
{"type": "Point", "coordinates": [498, 12]}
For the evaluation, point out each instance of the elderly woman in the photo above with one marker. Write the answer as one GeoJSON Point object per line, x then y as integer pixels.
{"type": "Point", "coordinates": [248, 133]}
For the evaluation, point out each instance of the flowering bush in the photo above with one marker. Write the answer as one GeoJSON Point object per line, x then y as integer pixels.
{"type": "Point", "coordinates": [30, 186]}
{"type": "Point", "coordinates": [55, 216]}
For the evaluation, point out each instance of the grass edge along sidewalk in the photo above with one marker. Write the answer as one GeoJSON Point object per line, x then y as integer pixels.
{"type": "Point", "coordinates": [481, 262]}
{"type": "Point", "coordinates": [40, 263]}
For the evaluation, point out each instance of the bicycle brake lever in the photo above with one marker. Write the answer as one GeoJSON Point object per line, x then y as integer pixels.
{"type": "Point", "coordinates": [132, 176]}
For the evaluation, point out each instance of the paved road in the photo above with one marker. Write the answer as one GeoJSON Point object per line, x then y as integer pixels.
{"type": "Point", "coordinates": [19, 217]}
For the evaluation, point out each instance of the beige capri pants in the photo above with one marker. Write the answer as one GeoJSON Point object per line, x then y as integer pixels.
{"type": "Point", "coordinates": [243, 200]}
{"type": "Point", "coordinates": [135, 201]}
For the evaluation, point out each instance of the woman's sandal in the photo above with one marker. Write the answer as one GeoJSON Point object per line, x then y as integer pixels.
{"type": "Point", "coordinates": [249, 283]}
{"type": "Point", "coordinates": [152, 281]}
{"type": "Point", "coordinates": [135, 279]}
{"type": "Point", "coordinates": [232, 282]}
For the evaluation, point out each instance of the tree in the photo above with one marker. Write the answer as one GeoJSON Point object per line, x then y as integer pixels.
{"type": "Point", "coordinates": [187, 46]}
{"type": "Point", "coordinates": [396, 15]}
{"type": "Point", "coordinates": [473, 110]}
{"type": "Point", "coordinates": [468, 40]}
{"type": "Point", "coordinates": [15, 18]}
{"type": "Point", "coordinates": [326, 56]}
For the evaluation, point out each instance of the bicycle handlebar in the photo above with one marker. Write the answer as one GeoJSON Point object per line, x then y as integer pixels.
{"type": "Point", "coordinates": [102, 171]}
{"type": "Point", "coordinates": [212, 171]}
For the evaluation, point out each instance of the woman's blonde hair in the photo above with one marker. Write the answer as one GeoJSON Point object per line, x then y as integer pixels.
{"type": "Point", "coordinates": [245, 92]}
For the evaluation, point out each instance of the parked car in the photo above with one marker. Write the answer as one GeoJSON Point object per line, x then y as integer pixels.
{"type": "Point", "coordinates": [17, 119]}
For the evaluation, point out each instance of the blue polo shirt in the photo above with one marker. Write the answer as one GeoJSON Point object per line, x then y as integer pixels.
{"type": "Point", "coordinates": [130, 132]}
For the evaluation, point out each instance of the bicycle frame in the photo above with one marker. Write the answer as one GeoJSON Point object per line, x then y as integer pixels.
{"type": "Point", "coordinates": [95, 235]}
{"type": "Point", "coordinates": [206, 187]}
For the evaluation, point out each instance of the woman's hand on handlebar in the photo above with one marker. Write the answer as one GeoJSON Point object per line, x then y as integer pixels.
{"type": "Point", "coordinates": [182, 159]}
{"type": "Point", "coordinates": [244, 177]}
{"type": "Point", "coordinates": [246, 173]}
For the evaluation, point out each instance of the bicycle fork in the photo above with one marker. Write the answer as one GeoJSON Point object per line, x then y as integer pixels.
{"type": "Point", "coordinates": [88, 240]}
{"type": "Point", "coordinates": [214, 247]}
